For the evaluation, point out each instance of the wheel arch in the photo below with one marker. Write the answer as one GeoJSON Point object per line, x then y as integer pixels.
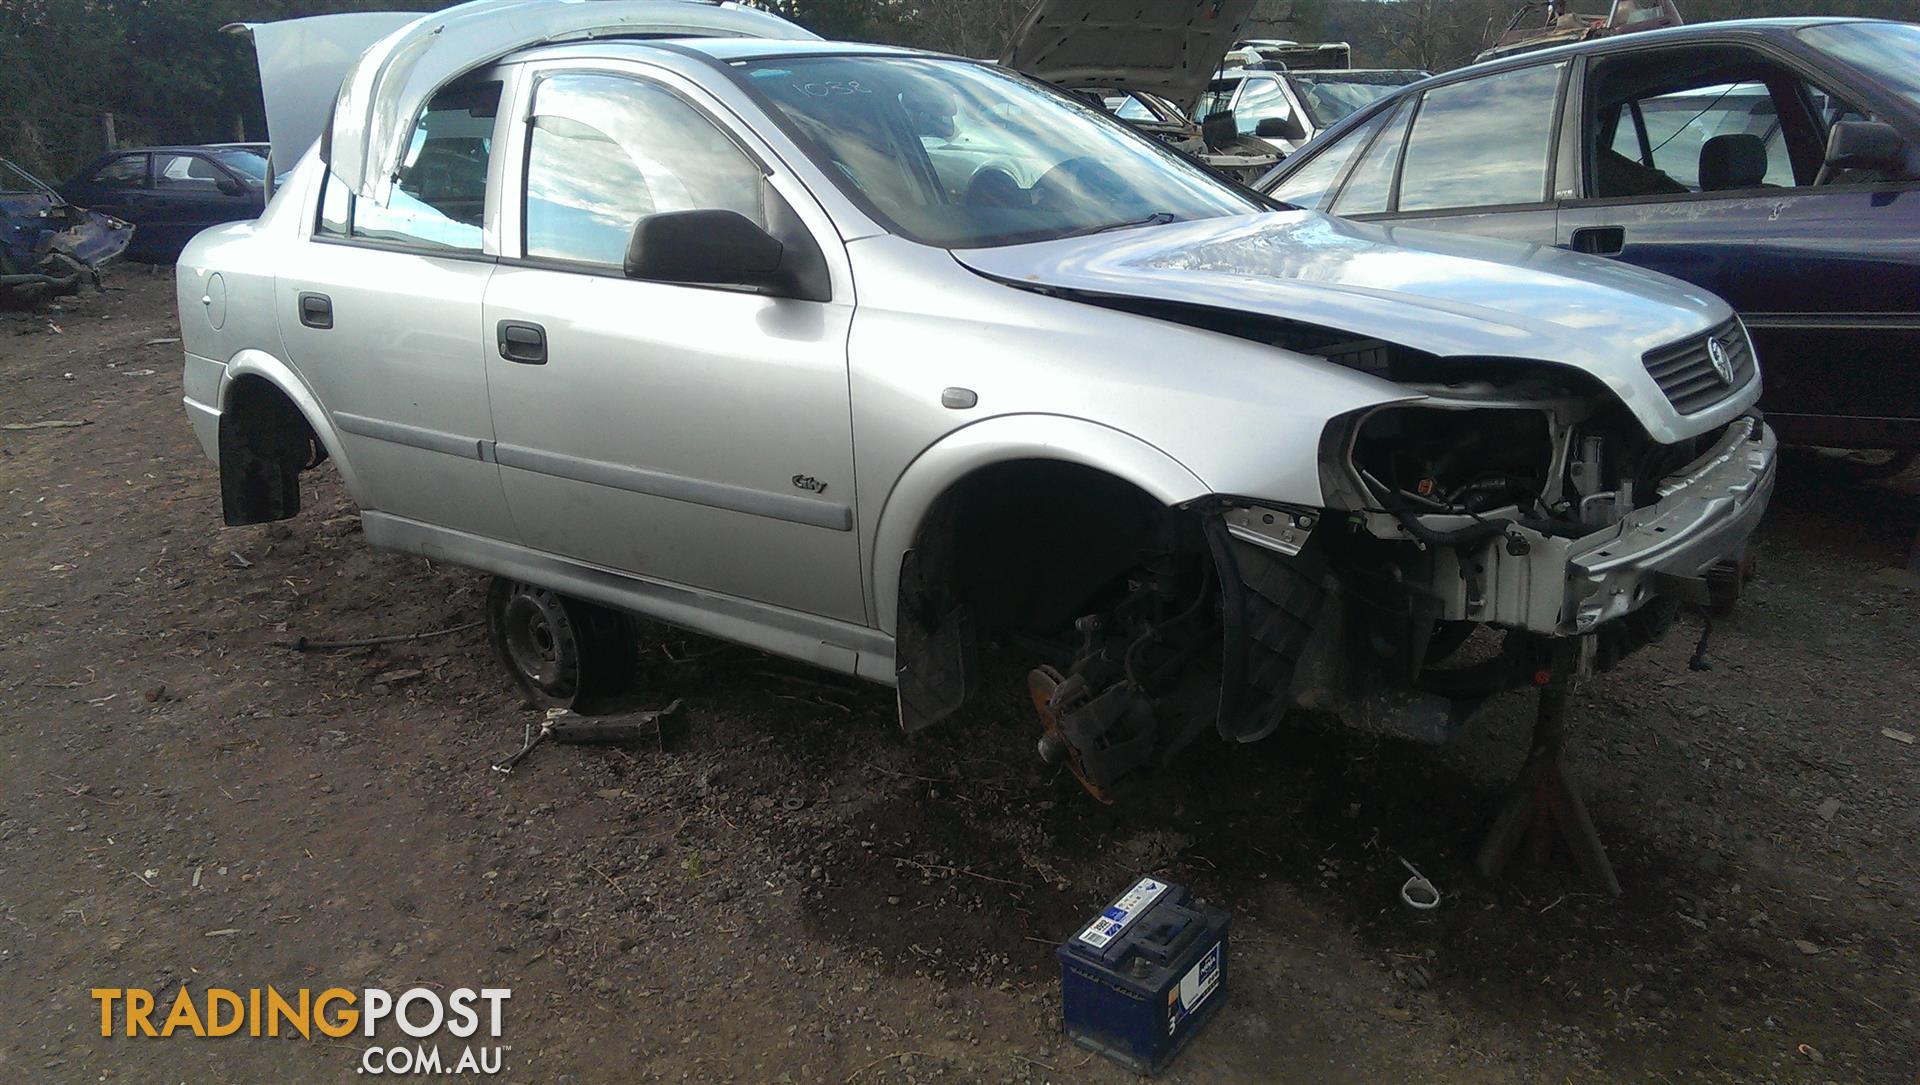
{"type": "Point", "coordinates": [251, 368]}
{"type": "Point", "coordinates": [947, 465]}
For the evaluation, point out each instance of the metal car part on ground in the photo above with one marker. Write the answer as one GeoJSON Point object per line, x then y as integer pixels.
{"type": "Point", "coordinates": [49, 247]}
{"type": "Point", "coordinates": [1089, 408]}
{"type": "Point", "coordinates": [1775, 163]}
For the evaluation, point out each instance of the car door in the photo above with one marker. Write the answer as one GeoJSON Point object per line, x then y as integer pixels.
{"type": "Point", "coordinates": [1702, 162]}
{"type": "Point", "coordinates": [191, 192]}
{"type": "Point", "coordinates": [691, 435]}
{"type": "Point", "coordinates": [381, 315]}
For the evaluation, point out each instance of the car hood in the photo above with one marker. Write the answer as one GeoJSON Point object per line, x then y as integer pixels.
{"type": "Point", "coordinates": [1449, 295]}
{"type": "Point", "coordinates": [1169, 47]}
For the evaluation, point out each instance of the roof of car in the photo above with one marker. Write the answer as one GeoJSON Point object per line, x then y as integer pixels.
{"type": "Point", "coordinates": [1639, 39]}
{"type": "Point", "coordinates": [178, 148]}
{"type": "Point", "coordinates": [725, 50]}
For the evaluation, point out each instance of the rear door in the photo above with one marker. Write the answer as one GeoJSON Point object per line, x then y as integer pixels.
{"type": "Point", "coordinates": [1702, 163]}
{"type": "Point", "coordinates": [691, 435]}
{"type": "Point", "coordinates": [382, 317]}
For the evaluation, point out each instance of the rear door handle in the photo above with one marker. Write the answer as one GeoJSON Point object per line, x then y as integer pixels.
{"type": "Point", "coordinates": [1599, 240]}
{"type": "Point", "coordinates": [523, 343]}
{"type": "Point", "coordinates": [316, 311]}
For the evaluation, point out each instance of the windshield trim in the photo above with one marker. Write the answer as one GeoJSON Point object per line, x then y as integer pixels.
{"type": "Point", "coordinates": [737, 70]}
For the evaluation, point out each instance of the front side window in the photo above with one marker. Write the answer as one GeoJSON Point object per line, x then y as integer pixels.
{"type": "Point", "coordinates": [127, 171]}
{"type": "Point", "coordinates": [963, 155]}
{"type": "Point", "coordinates": [607, 151]}
{"type": "Point", "coordinates": [1264, 99]}
{"type": "Point", "coordinates": [1483, 142]}
{"type": "Point", "coordinates": [185, 173]}
{"type": "Point", "coordinates": [1686, 140]}
{"type": "Point", "coordinates": [439, 200]}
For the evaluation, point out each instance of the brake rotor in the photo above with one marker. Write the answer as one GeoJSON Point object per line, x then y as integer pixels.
{"type": "Point", "coordinates": [1053, 696]}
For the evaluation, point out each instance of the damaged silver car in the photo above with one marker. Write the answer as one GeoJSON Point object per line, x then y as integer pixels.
{"type": "Point", "coordinates": [886, 361]}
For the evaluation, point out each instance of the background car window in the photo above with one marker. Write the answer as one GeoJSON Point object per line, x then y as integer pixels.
{"type": "Point", "coordinates": [440, 197]}
{"type": "Point", "coordinates": [607, 151]}
{"type": "Point", "coordinates": [185, 173]}
{"type": "Point", "coordinates": [1482, 143]}
{"type": "Point", "coordinates": [127, 171]}
{"type": "Point", "coordinates": [1264, 98]}
{"type": "Point", "coordinates": [1307, 187]}
{"type": "Point", "coordinates": [1370, 190]}
{"type": "Point", "coordinates": [1680, 126]}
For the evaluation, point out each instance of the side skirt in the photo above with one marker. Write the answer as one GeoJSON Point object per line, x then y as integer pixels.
{"type": "Point", "coordinates": [822, 642]}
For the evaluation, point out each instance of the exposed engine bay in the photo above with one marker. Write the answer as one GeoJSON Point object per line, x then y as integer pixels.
{"type": "Point", "coordinates": [1488, 504]}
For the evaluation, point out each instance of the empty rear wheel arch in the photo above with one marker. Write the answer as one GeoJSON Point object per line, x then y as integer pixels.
{"type": "Point", "coordinates": [265, 443]}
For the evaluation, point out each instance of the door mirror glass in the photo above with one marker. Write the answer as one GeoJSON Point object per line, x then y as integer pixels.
{"type": "Point", "coordinates": [1865, 145]}
{"type": "Point", "coordinates": [711, 247]}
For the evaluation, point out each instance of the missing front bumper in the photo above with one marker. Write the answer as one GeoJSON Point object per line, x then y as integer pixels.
{"type": "Point", "coordinates": [1571, 587]}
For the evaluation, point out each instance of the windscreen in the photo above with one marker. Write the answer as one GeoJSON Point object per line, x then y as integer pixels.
{"type": "Point", "coordinates": [964, 155]}
{"type": "Point", "coordinates": [1889, 52]}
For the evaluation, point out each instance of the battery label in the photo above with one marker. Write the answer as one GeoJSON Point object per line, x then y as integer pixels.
{"type": "Point", "coordinates": [1122, 912]}
{"type": "Point", "coordinates": [1199, 982]}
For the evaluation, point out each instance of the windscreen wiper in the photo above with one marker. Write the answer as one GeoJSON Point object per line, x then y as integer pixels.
{"type": "Point", "coordinates": [1158, 218]}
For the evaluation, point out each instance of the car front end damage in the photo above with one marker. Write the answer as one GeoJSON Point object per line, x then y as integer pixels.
{"type": "Point", "coordinates": [1522, 500]}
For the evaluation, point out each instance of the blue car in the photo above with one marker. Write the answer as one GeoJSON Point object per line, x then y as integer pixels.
{"type": "Point", "coordinates": [1775, 163]}
{"type": "Point", "coordinates": [48, 247]}
{"type": "Point", "coordinates": [172, 193]}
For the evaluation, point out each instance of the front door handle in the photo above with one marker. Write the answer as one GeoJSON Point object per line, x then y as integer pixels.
{"type": "Point", "coordinates": [523, 343]}
{"type": "Point", "coordinates": [1599, 240]}
{"type": "Point", "coordinates": [316, 311]}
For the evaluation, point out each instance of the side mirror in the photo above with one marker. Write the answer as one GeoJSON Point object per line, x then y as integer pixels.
{"type": "Point", "coordinates": [713, 248]}
{"type": "Point", "coordinates": [229, 186]}
{"type": "Point", "coordinates": [1287, 128]}
{"type": "Point", "coordinates": [1865, 145]}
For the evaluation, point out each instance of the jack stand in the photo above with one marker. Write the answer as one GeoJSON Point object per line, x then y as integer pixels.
{"type": "Point", "coordinates": [1545, 798]}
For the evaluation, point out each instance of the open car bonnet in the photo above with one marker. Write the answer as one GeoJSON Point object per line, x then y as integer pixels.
{"type": "Point", "coordinates": [1170, 47]}
{"type": "Point", "coordinates": [384, 83]}
{"type": "Point", "coordinates": [1450, 295]}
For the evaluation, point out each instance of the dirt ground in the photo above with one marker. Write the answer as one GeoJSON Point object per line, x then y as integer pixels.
{"type": "Point", "coordinates": [786, 889]}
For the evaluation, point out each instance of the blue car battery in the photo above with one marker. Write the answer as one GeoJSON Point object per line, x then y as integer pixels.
{"type": "Point", "coordinates": [1144, 976]}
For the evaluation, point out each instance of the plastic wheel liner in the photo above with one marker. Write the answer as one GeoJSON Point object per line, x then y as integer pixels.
{"type": "Point", "coordinates": [385, 90]}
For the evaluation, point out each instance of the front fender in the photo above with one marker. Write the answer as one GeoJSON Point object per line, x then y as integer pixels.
{"type": "Point", "coordinates": [258, 363]}
{"type": "Point", "coordinates": [1005, 439]}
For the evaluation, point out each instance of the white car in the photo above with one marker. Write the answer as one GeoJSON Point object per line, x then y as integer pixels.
{"type": "Point", "coordinates": [670, 308]}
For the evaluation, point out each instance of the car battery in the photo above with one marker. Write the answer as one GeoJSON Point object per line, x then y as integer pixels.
{"type": "Point", "coordinates": [1144, 976]}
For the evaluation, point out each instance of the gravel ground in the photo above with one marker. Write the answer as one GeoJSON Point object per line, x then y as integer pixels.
{"type": "Point", "coordinates": [784, 888]}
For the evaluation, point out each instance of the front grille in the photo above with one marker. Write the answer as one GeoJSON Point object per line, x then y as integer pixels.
{"type": "Point", "coordinates": [1686, 373]}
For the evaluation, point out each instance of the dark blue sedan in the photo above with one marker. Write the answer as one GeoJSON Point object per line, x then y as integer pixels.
{"type": "Point", "coordinates": [171, 193]}
{"type": "Point", "coordinates": [1775, 163]}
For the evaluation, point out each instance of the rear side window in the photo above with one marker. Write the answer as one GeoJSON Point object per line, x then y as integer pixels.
{"type": "Point", "coordinates": [1309, 185]}
{"type": "Point", "coordinates": [127, 171]}
{"type": "Point", "coordinates": [1370, 190]}
{"type": "Point", "coordinates": [439, 200]}
{"type": "Point", "coordinates": [607, 151]}
{"type": "Point", "coordinates": [1483, 143]}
